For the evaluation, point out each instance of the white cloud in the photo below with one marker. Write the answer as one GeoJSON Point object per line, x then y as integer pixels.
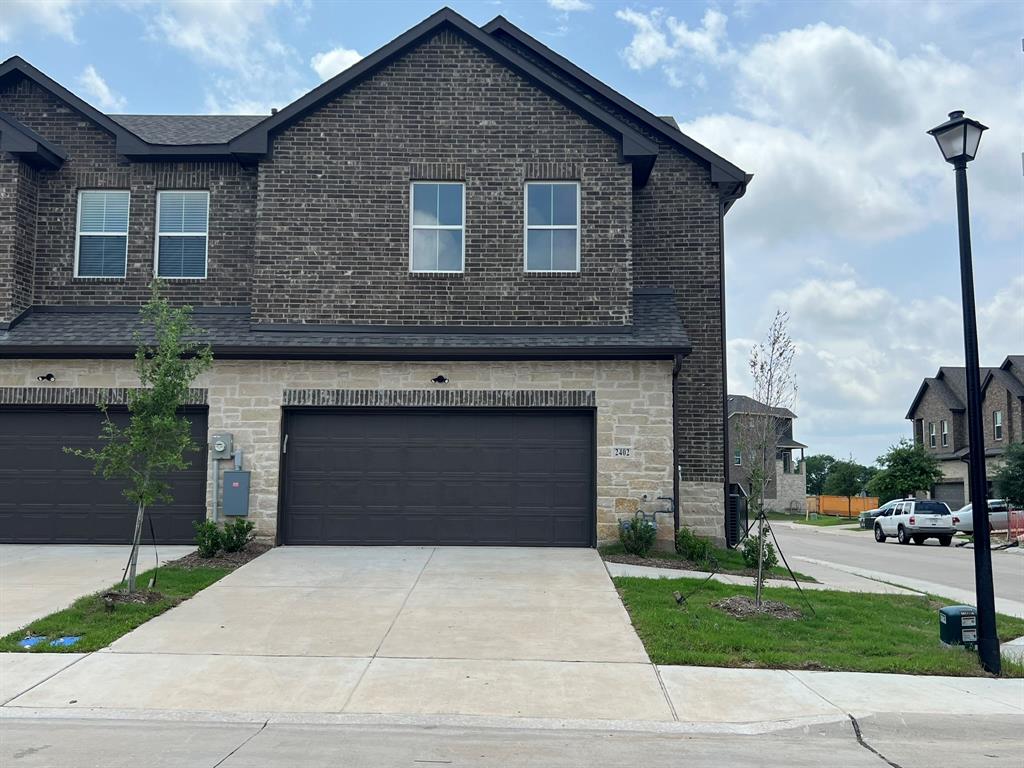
{"type": "Point", "coordinates": [330, 63]}
{"type": "Point", "coordinates": [568, 6]}
{"type": "Point", "coordinates": [649, 45]}
{"type": "Point", "coordinates": [658, 39]}
{"type": "Point", "coordinates": [251, 68]}
{"type": "Point", "coordinates": [97, 92]}
{"type": "Point", "coordinates": [52, 17]}
{"type": "Point", "coordinates": [863, 350]}
{"type": "Point", "coordinates": [832, 124]}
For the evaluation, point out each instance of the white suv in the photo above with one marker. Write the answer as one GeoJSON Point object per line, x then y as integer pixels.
{"type": "Point", "coordinates": [916, 520]}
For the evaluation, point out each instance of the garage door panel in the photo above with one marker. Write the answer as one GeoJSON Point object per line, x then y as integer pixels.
{"type": "Point", "coordinates": [49, 496]}
{"type": "Point", "coordinates": [441, 476]}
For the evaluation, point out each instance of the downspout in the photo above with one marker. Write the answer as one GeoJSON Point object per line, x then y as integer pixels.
{"type": "Point", "coordinates": [725, 367]}
{"type": "Point", "coordinates": [677, 364]}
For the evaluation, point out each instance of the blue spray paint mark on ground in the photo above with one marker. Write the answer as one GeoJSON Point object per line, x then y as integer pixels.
{"type": "Point", "coordinates": [64, 642]}
{"type": "Point", "coordinates": [30, 642]}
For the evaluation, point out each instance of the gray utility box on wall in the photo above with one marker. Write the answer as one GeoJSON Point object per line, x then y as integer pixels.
{"type": "Point", "coordinates": [958, 625]}
{"type": "Point", "coordinates": [236, 493]}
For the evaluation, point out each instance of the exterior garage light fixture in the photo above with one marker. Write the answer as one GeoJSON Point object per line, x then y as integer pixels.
{"type": "Point", "coordinates": [440, 379]}
{"type": "Point", "coordinates": [958, 137]}
{"type": "Point", "coordinates": [46, 377]}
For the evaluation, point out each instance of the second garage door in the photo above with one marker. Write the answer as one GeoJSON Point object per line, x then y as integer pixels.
{"type": "Point", "coordinates": [951, 493]}
{"type": "Point", "coordinates": [438, 476]}
{"type": "Point", "coordinates": [50, 497]}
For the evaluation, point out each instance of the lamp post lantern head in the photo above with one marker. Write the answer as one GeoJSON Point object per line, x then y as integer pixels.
{"type": "Point", "coordinates": [958, 137]}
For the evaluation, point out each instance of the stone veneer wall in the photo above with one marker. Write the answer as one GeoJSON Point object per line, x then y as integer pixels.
{"type": "Point", "coordinates": [633, 402]}
{"type": "Point", "coordinates": [790, 490]}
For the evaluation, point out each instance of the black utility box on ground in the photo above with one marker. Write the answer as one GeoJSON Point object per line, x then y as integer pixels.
{"type": "Point", "coordinates": [958, 625]}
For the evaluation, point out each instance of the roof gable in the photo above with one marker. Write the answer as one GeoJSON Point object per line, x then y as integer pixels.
{"type": "Point", "coordinates": [633, 146]}
{"type": "Point", "coordinates": [722, 171]}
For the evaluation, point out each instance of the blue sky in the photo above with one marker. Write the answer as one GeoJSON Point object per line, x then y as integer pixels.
{"type": "Point", "coordinates": [849, 224]}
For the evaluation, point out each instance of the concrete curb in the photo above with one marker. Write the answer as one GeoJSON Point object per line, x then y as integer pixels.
{"type": "Point", "coordinates": [422, 721]}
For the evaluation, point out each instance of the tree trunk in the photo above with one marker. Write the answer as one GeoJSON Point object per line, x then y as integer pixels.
{"type": "Point", "coordinates": [760, 557]}
{"type": "Point", "coordinates": [133, 559]}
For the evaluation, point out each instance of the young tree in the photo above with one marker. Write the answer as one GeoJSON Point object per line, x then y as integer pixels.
{"type": "Point", "coordinates": [157, 436]}
{"type": "Point", "coordinates": [774, 387]}
{"type": "Point", "coordinates": [905, 469]}
{"type": "Point", "coordinates": [846, 478]}
{"type": "Point", "coordinates": [817, 468]}
{"type": "Point", "coordinates": [1009, 480]}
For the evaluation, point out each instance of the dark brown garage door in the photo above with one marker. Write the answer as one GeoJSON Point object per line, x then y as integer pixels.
{"type": "Point", "coordinates": [48, 496]}
{"type": "Point", "coordinates": [951, 493]}
{"type": "Point", "coordinates": [439, 476]}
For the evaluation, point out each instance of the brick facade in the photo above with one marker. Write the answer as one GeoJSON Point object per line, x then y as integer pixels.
{"type": "Point", "coordinates": [317, 232]}
{"type": "Point", "coordinates": [93, 164]}
{"type": "Point", "coordinates": [333, 225]}
{"type": "Point", "coordinates": [18, 197]}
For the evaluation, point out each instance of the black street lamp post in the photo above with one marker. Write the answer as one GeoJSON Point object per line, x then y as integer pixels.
{"type": "Point", "coordinates": [958, 138]}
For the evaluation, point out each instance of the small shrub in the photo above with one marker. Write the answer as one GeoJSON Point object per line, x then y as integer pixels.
{"type": "Point", "coordinates": [237, 534]}
{"type": "Point", "coordinates": [637, 536]}
{"type": "Point", "coordinates": [208, 538]}
{"type": "Point", "coordinates": [750, 545]}
{"type": "Point", "coordinates": [693, 547]}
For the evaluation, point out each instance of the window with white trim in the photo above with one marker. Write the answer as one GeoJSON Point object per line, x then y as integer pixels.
{"type": "Point", "coordinates": [437, 218]}
{"type": "Point", "coordinates": [552, 226]}
{"type": "Point", "coordinates": [997, 425]}
{"type": "Point", "coordinates": [737, 458]}
{"type": "Point", "coordinates": [182, 231]}
{"type": "Point", "coordinates": [101, 237]}
{"type": "Point", "coordinates": [931, 434]}
{"type": "Point", "coordinates": [944, 426]}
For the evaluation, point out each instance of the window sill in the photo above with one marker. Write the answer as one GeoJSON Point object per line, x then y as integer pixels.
{"type": "Point", "coordinates": [438, 273]}
{"type": "Point", "coordinates": [87, 279]}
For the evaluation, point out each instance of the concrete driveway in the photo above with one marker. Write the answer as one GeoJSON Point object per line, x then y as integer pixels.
{"type": "Point", "coordinates": [413, 631]}
{"type": "Point", "coordinates": [38, 579]}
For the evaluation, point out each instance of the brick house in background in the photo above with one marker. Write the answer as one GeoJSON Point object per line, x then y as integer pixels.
{"type": "Point", "coordinates": [938, 415]}
{"type": "Point", "coordinates": [787, 487]}
{"type": "Point", "coordinates": [461, 293]}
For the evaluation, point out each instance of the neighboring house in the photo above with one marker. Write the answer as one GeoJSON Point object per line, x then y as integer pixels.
{"type": "Point", "coordinates": [461, 293]}
{"type": "Point", "coordinates": [787, 484]}
{"type": "Point", "coordinates": [938, 415]}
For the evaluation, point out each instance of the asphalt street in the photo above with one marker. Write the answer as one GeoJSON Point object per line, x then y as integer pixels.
{"type": "Point", "coordinates": [952, 566]}
{"type": "Point", "coordinates": [924, 742]}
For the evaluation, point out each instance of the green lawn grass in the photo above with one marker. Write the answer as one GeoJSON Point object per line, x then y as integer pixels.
{"type": "Point", "coordinates": [820, 520]}
{"type": "Point", "coordinates": [729, 561]}
{"type": "Point", "coordinates": [99, 627]}
{"type": "Point", "coordinates": [850, 631]}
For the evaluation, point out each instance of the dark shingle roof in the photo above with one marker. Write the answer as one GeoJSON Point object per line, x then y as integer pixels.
{"type": "Point", "coordinates": [183, 130]}
{"type": "Point", "coordinates": [744, 404]}
{"type": "Point", "coordinates": [657, 330]}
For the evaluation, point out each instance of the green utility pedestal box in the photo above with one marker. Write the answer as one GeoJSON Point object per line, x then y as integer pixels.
{"type": "Point", "coordinates": [958, 625]}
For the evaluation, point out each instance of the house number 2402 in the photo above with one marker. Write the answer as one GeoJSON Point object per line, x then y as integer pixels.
{"type": "Point", "coordinates": [622, 452]}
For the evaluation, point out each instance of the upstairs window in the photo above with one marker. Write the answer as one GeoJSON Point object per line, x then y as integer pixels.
{"type": "Point", "coordinates": [437, 231]}
{"type": "Point", "coordinates": [552, 227]}
{"type": "Point", "coordinates": [737, 458]}
{"type": "Point", "coordinates": [997, 425]}
{"type": "Point", "coordinates": [931, 434]}
{"type": "Point", "coordinates": [101, 242]}
{"type": "Point", "coordinates": [181, 234]}
{"type": "Point", "coordinates": [944, 425]}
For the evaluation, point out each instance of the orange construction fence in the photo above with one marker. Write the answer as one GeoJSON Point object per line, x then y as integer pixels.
{"type": "Point", "coordinates": [841, 506]}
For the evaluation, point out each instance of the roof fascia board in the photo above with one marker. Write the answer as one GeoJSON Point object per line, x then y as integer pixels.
{"type": "Point", "coordinates": [726, 171]}
{"type": "Point", "coordinates": [917, 400]}
{"type": "Point", "coordinates": [25, 144]}
{"type": "Point", "coordinates": [256, 140]}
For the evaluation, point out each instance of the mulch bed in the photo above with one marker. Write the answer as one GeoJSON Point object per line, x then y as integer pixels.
{"type": "Point", "coordinates": [139, 597]}
{"type": "Point", "coordinates": [222, 559]}
{"type": "Point", "coordinates": [655, 562]}
{"type": "Point", "coordinates": [742, 606]}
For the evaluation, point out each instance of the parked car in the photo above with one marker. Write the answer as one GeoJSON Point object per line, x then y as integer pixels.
{"type": "Point", "coordinates": [916, 520]}
{"type": "Point", "coordinates": [998, 516]}
{"type": "Point", "coordinates": [867, 518]}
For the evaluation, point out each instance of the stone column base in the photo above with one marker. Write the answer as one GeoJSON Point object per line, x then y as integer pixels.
{"type": "Point", "coordinates": [702, 509]}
